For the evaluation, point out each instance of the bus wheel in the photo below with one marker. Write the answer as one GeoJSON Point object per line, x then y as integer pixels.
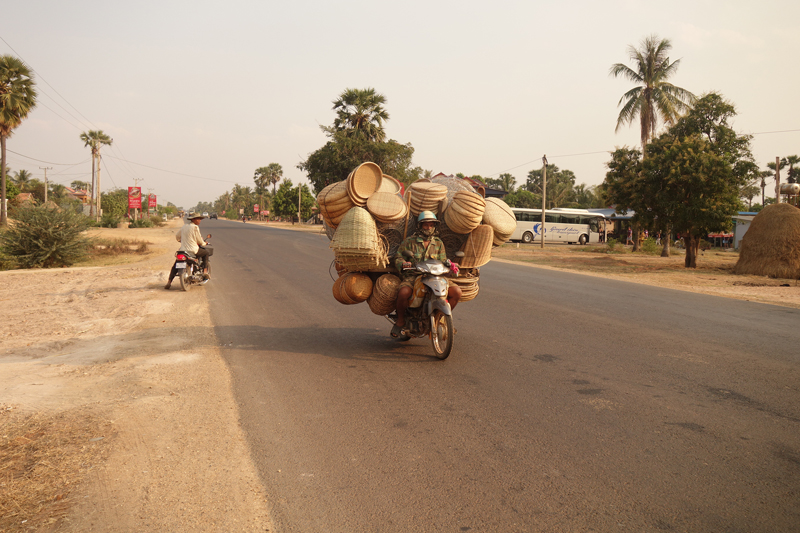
{"type": "Point", "coordinates": [527, 237]}
{"type": "Point", "coordinates": [582, 240]}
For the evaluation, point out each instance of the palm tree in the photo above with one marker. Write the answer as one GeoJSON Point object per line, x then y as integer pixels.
{"type": "Point", "coordinates": [94, 139]}
{"type": "Point", "coordinates": [80, 185]}
{"type": "Point", "coordinates": [360, 112]}
{"type": "Point", "coordinates": [22, 179]}
{"type": "Point", "coordinates": [508, 182]}
{"type": "Point", "coordinates": [654, 97]}
{"type": "Point", "coordinates": [17, 98]}
{"type": "Point", "coordinates": [792, 160]}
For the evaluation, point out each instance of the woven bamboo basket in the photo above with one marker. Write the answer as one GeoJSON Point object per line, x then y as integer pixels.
{"type": "Point", "coordinates": [478, 248]}
{"type": "Point", "coordinates": [469, 285]}
{"type": "Point", "coordinates": [339, 294]}
{"type": "Point", "coordinates": [389, 184]}
{"type": "Point", "coordinates": [357, 286]}
{"type": "Point", "coordinates": [363, 182]}
{"type": "Point", "coordinates": [386, 207]}
{"type": "Point", "coordinates": [384, 294]}
{"type": "Point", "coordinates": [501, 218]}
{"type": "Point", "coordinates": [453, 185]}
{"type": "Point", "coordinates": [357, 244]}
{"type": "Point", "coordinates": [465, 212]}
{"type": "Point", "coordinates": [332, 199]}
{"type": "Point", "coordinates": [425, 196]}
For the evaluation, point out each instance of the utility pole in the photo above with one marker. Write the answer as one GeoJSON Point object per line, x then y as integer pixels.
{"type": "Point", "coordinates": [544, 193]}
{"type": "Point", "coordinates": [45, 181]}
{"type": "Point", "coordinates": [777, 180]}
{"type": "Point", "coordinates": [149, 192]}
{"type": "Point", "coordinates": [299, 197]}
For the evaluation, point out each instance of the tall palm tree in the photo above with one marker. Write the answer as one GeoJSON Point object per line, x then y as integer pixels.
{"type": "Point", "coordinates": [274, 173]}
{"type": "Point", "coordinates": [792, 160]}
{"type": "Point", "coordinates": [654, 97]}
{"type": "Point", "coordinates": [21, 179]}
{"type": "Point", "coordinates": [17, 98]}
{"type": "Point", "coordinates": [360, 112]}
{"type": "Point", "coordinates": [94, 139]}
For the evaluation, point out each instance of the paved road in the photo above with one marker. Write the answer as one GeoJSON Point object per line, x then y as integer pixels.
{"type": "Point", "coordinates": [570, 403]}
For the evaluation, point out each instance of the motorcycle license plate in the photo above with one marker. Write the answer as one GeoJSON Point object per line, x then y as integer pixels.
{"type": "Point", "coordinates": [180, 265]}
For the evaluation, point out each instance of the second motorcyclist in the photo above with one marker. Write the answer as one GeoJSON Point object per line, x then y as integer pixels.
{"type": "Point", "coordinates": [191, 241]}
{"type": "Point", "coordinates": [423, 245]}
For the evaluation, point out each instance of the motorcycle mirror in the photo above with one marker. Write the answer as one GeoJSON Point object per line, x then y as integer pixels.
{"type": "Point", "coordinates": [459, 254]}
{"type": "Point", "coordinates": [208, 236]}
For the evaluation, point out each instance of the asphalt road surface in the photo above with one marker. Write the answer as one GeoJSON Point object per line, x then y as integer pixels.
{"type": "Point", "coordinates": [570, 403]}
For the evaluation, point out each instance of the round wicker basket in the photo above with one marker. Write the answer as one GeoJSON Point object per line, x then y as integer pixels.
{"type": "Point", "coordinates": [352, 288]}
{"type": "Point", "coordinates": [501, 218]}
{"type": "Point", "coordinates": [478, 248]}
{"type": "Point", "coordinates": [364, 181]}
{"type": "Point", "coordinates": [384, 294]}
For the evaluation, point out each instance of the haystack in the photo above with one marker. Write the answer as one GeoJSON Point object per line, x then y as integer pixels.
{"type": "Point", "coordinates": [771, 247]}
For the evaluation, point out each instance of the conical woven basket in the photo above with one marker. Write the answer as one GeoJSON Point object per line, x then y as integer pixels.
{"type": "Point", "coordinates": [478, 248]}
{"type": "Point", "coordinates": [384, 294]}
{"type": "Point", "coordinates": [501, 218]}
{"type": "Point", "coordinates": [357, 244]}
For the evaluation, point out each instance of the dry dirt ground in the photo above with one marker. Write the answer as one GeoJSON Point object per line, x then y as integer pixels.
{"type": "Point", "coordinates": [116, 410]}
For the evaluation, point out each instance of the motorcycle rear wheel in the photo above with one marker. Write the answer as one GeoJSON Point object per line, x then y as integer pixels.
{"type": "Point", "coordinates": [185, 277]}
{"type": "Point", "coordinates": [442, 334]}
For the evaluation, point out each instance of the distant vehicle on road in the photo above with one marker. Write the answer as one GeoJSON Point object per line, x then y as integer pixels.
{"type": "Point", "coordinates": [205, 214]}
{"type": "Point", "coordinates": [560, 225]}
{"type": "Point", "coordinates": [213, 215]}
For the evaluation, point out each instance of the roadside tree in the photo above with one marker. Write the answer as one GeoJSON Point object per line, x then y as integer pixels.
{"type": "Point", "coordinates": [691, 179]}
{"type": "Point", "coordinates": [653, 97]}
{"type": "Point", "coordinates": [560, 184]}
{"type": "Point", "coordinates": [285, 201]}
{"type": "Point", "coordinates": [94, 139]}
{"type": "Point", "coordinates": [17, 99]}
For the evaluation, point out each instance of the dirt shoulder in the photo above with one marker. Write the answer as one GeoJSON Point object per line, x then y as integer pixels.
{"type": "Point", "coordinates": [713, 275]}
{"type": "Point", "coordinates": [116, 408]}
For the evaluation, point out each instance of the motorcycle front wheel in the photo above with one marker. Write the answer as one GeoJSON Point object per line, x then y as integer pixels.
{"type": "Point", "coordinates": [185, 277]}
{"type": "Point", "coordinates": [442, 334]}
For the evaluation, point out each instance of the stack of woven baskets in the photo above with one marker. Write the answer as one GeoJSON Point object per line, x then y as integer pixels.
{"type": "Point", "coordinates": [367, 216]}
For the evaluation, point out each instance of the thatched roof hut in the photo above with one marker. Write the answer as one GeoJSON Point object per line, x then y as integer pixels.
{"type": "Point", "coordinates": [771, 247]}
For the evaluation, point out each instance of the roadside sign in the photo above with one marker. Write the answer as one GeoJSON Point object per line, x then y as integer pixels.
{"type": "Point", "coordinates": [134, 197]}
{"type": "Point", "coordinates": [255, 208]}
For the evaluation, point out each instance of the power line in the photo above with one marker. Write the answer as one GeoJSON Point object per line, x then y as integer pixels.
{"type": "Point", "coordinates": [48, 162]}
{"type": "Point", "coordinates": [171, 171]}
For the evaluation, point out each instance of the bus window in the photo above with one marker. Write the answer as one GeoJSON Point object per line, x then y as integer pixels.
{"type": "Point", "coordinates": [593, 226]}
{"type": "Point", "coordinates": [570, 219]}
{"type": "Point", "coordinates": [554, 219]}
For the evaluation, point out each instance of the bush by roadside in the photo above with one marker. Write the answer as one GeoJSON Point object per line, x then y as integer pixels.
{"type": "Point", "coordinates": [44, 237]}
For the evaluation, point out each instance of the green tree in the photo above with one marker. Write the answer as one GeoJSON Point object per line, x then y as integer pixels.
{"type": "Point", "coordinates": [21, 179]}
{"type": "Point", "coordinates": [525, 199]}
{"type": "Point", "coordinates": [792, 174]}
{"type": "Point", "coordinates": [285, 201]}
{"type": "Point", "coordinates": [360, 113]}
{"type": "Point", "coordinates": [115, 204]}
{"type": "Point", "coordinates": [80, 185]}
{"type": "Point", "coordinates": [17, 99]}
{"type": "Point", "coordinates": [560, 184]}
{"type": "Point", "coordinates": [691, 179]}
{"type": "Point", "coordinates": [341, 154]}
{"type": "Point", "coordinates": [45, 238]}
{"type": "Point", "coordinates": [94, 139]}
{"type": "Point", "coordinates": [654, 96]}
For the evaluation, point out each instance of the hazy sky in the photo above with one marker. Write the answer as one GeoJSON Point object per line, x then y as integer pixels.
{"type": "Point", "coordinates": [214, 90]}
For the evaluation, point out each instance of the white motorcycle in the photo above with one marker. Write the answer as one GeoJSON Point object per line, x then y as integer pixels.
{"type": "Point", "coordinates": [429, 313]}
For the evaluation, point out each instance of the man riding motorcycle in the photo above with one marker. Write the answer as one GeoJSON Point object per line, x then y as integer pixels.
{"type": "Point", "coordinates": [423, 245]}
{"type": "Point", "coordinates": [191, 241]}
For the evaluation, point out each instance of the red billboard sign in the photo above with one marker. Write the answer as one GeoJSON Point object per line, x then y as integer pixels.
{"type": "Point", "coordinates": [151, 201]}
{"type": "Point", "coordinates": [134, 197]}
{"type": "Point", "coordinates": [255, 208]}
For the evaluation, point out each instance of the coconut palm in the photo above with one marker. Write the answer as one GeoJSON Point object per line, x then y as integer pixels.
{"type": "Point", "coordinates": [17, 98]}
{"type": "Point", "coordinates": [360, 112]}
{"type": "Point", "coordinates": [654, 97]}
{"type": "Point", "coordinates": [94, 139]}
{"type": "Point", "coordinates": [507, 181]}
{"type": "Point", "coordinates": [21, 179]}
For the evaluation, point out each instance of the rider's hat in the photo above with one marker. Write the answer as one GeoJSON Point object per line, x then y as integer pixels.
{"type": "Point", "coordinates": [427, 216]}
{"type": "Point", "coordinates": [192, 216]}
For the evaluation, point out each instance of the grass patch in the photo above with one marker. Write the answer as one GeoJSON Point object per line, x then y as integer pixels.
{"type": "Point", "coordinates": [43, 457]}
{"type": "Point", "coordinates": [119, 247]}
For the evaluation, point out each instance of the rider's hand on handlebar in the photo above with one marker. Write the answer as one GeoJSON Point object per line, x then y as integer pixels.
{"type": "Point", "coordinates": [454, 268]}
{"type": "Point", "coordinates": [407, 265]}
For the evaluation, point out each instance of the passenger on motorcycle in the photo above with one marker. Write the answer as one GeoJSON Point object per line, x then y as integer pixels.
{"type": "Point", "coordinates": [191, 241]}
{"type": "Point", "coordinates": [424, 244]}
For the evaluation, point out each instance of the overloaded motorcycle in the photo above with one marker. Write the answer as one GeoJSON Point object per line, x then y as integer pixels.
{"type": "Point", "coordinates": [429, 314]}
{"type": "Point", "coordinates": [190, 270]}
